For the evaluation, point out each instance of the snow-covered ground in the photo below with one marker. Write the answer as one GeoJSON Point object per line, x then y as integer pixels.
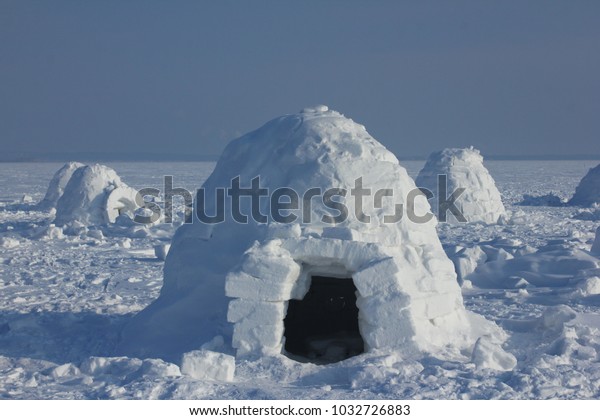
{"type": "Point", "coordinates": [64, 300]}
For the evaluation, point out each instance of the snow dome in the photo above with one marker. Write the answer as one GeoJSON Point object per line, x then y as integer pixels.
{"type": "Point", "coordinates": [480, 201]}
{"type": "Point", "coordinates": [94, 195]}
{"type": "Point", "coordinates": [587, 192]}
{"type": "Point", "coordinates": [326, 283]}
{"type": "Point", "coordinates": [57, 185]}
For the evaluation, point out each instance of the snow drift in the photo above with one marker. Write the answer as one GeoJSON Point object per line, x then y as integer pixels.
{"type": "Point", "coordinates": [57, 185]}
{"type": "Point", "coordinates": [587, 192]}
{"type": "Point", "coordinates": [236, 280]}
{"type": "Point", "coordinates": [480, 201]}
{"type": "Point", "coordinates": [94, 195]}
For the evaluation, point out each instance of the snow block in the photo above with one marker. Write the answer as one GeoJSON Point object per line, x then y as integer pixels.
{"type": "Point", "coordinates": [243, 285]}
{"type": "Point", "coordinates": [261, 312]}
{"type": "Point", "coordinates": [377, 278]}
{"type": "Point", "coordinates": [247, 334]}
{"type": "Point", "coordinates": [205, 364]}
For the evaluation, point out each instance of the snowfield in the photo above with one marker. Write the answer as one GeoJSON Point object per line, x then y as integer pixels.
{"type": "Point", "coordinates": [64, 300]}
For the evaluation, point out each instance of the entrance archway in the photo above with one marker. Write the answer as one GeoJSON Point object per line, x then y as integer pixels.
{"type": "Point", "coordinates": [323, 326]}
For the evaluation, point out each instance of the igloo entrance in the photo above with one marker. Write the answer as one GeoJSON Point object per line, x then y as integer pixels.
{"type": "Point", "coordinates": [323, 326]}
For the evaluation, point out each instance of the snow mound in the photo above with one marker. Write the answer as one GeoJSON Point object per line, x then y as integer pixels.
{"type": "Point", "coordinates": [548, 200]}
{"type": "Point", "coordinates": [587, 192]}
{"type": "Point", "coordinates": [551, 267]}
{"type": "Point", "coordinates": [94, 195]}
{"type": "Point", "coordinates": [236, 280]}
{"type": "Point", "coordinates": [57, 185]}
{"type": "Point", "coordinates": [480, 201]}
{"type": "Point", "coordinates": [489, 355]}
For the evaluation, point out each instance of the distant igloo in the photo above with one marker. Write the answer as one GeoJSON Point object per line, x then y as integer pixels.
{"type": "Point", "coordinates": [57, 185]}
{"type": "Point", "coordinates": [587, 192]}
{"type": "Point", "coordinates": [312, 288]}
{"type": "Point", "coordinates": [94, 195]}
{"type": "Point", "coordinates": [480, 201]}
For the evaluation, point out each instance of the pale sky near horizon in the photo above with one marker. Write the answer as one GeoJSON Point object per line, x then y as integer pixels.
{"type": "Point", "coordinates": [182, 78]}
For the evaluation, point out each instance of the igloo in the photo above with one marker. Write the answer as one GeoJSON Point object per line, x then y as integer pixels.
{"type": "Point", "coordinates": [57, 185]}
{"type": "Point", "coordinates": [94, 195]}
{"type": "Point", "coordinates": [587, 192]}
{"type": "Point", "coordinates": [480, 200]}
{"type": "Point", "coordinates": [316, 286]}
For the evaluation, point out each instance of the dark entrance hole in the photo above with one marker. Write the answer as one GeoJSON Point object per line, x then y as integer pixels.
{"type": "Point", "coordinates": [323, 326]}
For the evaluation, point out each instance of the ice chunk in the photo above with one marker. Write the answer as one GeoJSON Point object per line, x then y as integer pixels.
{"type": "Point", "coordinates": [589, 287]}
{"type": "Point", "coordinates": [555, 317]}
{"type": "Point", "coordinates": [489, 355]}
{"type": "Point", "coordinates": [8, 242]}
{"type": "Point", "coordinates": [161, 251]}
{"type": "Point", "coordinates": [206, 364]}
{"type": "Point", "coordinates": [156, 368]}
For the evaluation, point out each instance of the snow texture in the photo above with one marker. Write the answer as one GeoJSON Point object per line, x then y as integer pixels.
{"type": "Point", "coordinates": [64, 300]}
{"type": "Point", "coordinates": [235, 280]}
{"type": "Point", "coordinates": [94, 195]}
{"type": "Point", "coordinates": [587, 192]}
{"type": "Point", "coordinates": [480, 201]}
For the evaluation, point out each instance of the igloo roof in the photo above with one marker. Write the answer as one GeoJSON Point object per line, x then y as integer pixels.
{"type": "Point", "coordinates": [264, 264]}
{"type": "Point", "coordinates": [587, 192]}
{"type": "Point", "coordinates": [481, 201]}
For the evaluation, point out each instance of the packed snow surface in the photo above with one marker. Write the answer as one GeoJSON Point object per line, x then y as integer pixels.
{"type": "Point", "coordinates": [479, 202]}
{"type": "Point", "coordinates": [65, 298]}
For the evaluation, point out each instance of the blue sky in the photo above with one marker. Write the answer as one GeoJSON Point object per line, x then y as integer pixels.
{"type": "Point", "coordinates": [164, 79]}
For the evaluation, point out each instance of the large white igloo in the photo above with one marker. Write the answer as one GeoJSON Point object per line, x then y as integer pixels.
{"type": "Point", "coordinates": [94, 195]}
{"type": "Point", "coordinates": [373, 285]}
{"type": "Point", "coordinates": [587, 192]}
{"type": "Point", "coordinates": [479, 202]}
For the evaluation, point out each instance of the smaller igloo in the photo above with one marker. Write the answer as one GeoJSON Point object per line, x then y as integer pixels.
{"type": "Point", "coordinates": [480, 200]}
{"type": "Point", "coordinates": [587, 192]}
{"type": "Point", "coordinates": [57, 185]}
{"type": "Point", "coordinates": [94, 195]}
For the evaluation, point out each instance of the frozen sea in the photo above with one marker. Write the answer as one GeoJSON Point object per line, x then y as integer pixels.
{"type": "Point", "coordinates": [64, 300]}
